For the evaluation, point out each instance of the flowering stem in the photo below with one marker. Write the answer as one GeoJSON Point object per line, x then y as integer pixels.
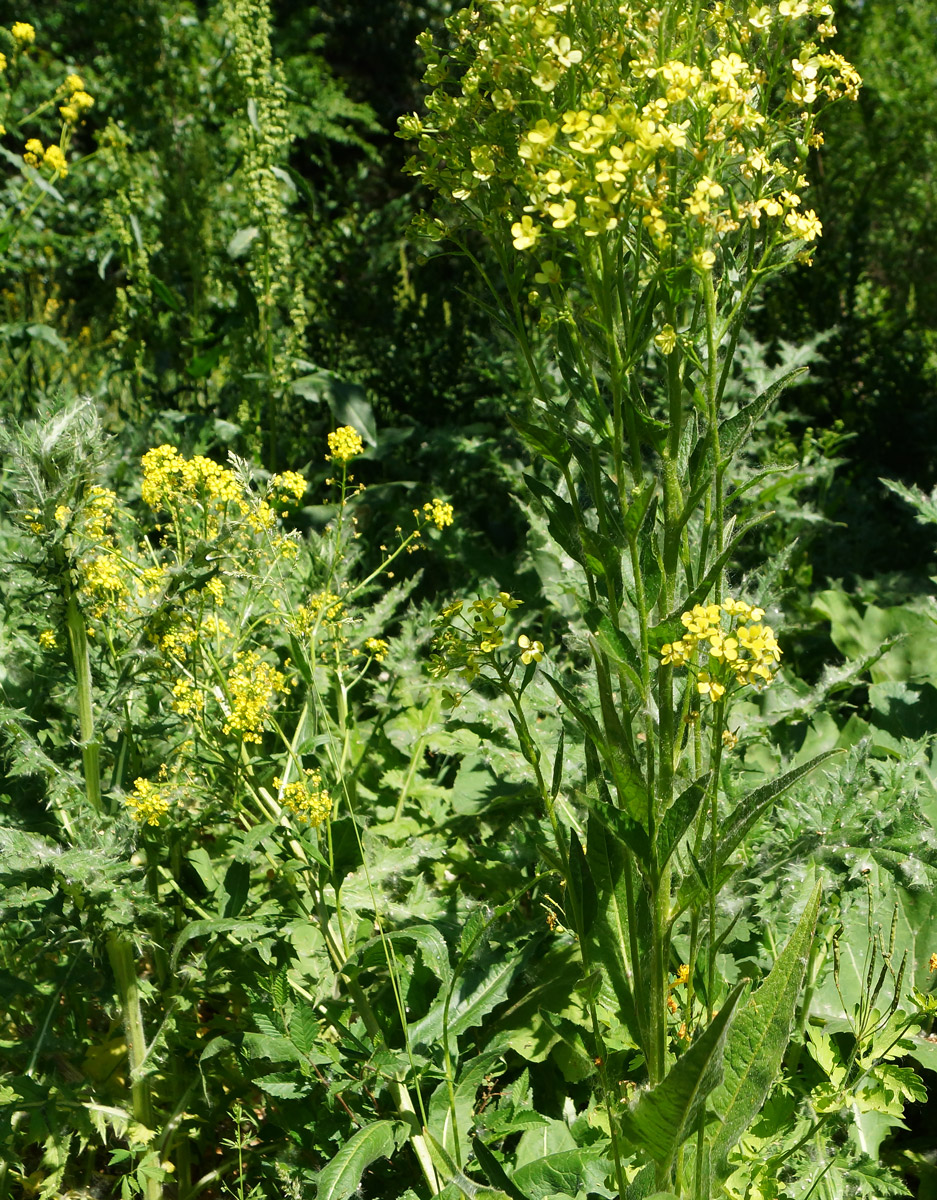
{"type": "Point", "coordinates": [81, 660]}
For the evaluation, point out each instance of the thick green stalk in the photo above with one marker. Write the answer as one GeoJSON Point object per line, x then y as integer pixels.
{"type": "Point", "coordinates": [81, 660]}
{"type": "Point", "coordinates": [121, 956]}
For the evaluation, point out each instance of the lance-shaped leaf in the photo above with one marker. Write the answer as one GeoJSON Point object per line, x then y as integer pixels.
{"type": "Point", "coordinates": [339, 1178]}
{"type": "Point", "coordinates": [663, 1118]}
{"type": "Point", "coordinates": [757, 1041]}
{"type": "Point", "coordinates": [581, 887]}
{"type": "Point", "coordinates": [755, 805]}
{"type": "Point", "coordinates": [678, 818]}
{"type": "Point", "coordinates": [611, 936]}
{"type": "Point", "coordinates": [735, 430]}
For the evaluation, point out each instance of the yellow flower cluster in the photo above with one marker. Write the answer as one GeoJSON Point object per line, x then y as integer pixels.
{"type": "Point", "coordinates": [344, 444]}
{"type": "Point", "coordinates": [286, 491]}
{"type": "Point", "coordinates": [306, 798]}
{"type": "Point", "coordinates": [23, 33]}
{"type": "Point", "coordinates": [480, 632]}
{"type": "Point", "coordinates": [439, 512]}
{"type": "Point", "coordinates": [377, 648]}
{"type": "Point", "coordinates": [172, 481]}
{"type": "Point", "coordinates": [738, 648]}
{"type": "Point", "coordinates": [252, 688]}
{"type": "Point", "coordinates": [574, 116]}
{"type": "Point", "coordinates": [147, 803]}
{"type": "Point", "coordinates": [322, 608]}
{"type": "Point", "coordinates": [78, 102]}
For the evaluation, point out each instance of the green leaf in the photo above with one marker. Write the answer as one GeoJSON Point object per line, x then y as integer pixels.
{"type": "Point", "coordinates": [661, 1119]}
{"type": "Point", "coordinates": [678, 818]}
{"type": "Point", "coordinates": [733, 431]}
{"type": "Point", "coordinates": [581, 886]}
{"type": "Point", "coordinates": [304, 1028]}
{"type": "Point", "coordinates": [561, 518]}
{"type": "Point", "coordinates": [213, 926]}
{"type": "Point", "coordinates": [757, 1042]}
{"type": "Point", "coordinates": [616, 645]}
{"type": "Point", "coordinates": [548, 443]}
{"type": "Point", "coordinates": [494, 1172]}
{"type": "Point", "coordinates": [339, 1178]}
{"type": "Point", "coordinates": [610, 933]}
{"type": "Point", "coordinates": [236, 886]}
{"type": "Point", "coordinates": [45, 333]}
{"type": "Point", "coordinates": [569, 1173]}
{"type": "Point", "coordinates": [748, 811]}
{"type": "Point", "coordinates": [474, 995]}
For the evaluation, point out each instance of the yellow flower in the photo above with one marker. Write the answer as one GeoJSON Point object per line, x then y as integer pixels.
{"type": "Point", "coordinates": [306, 798]}
{"type": "Point", "coordinates": [147, 803]}
{"type": "Point", "coordinates": [23, 33]}
{"type": "Point", "coordinates": [3, 67]}
{"type": "Point", "coordinates": [674, 654]}
{"type": "Point", "coordinates": [69, 113]}
{"type": "Point", "coordinates": [74, 83]}
{"type": "Point", "coordinates": [932, 963]}
{"type": "Point", "coordinates": [525, 233]}
{"type": "Point", "coordinates": [707, 686]}
{"type": "Point", "coordinates": [34, 152]}
{"type": "Point", "coordinates": [47, 639]}
{"type": "Point", "coordinates": [804, 225]}
{"type": "Point", "coordinates": [55, 159]}
{"type": "Point", "coordinates": [666, 340]}
{"type": "Point", "coordinates": [291, 483]}
{"type": "Point", "coordinates": [81, 100]}
{"type": "Point", "coordinates": [344, 444]}
{"type": "Point", "coordinates": [533, 651]}
{"type": "Point", "coordinates": [376, 647]}
{"type": "Point", "coordinates": [704, 260]}
{"type": "Point", "coordinates": [62, 513]}
{"type": "Point", "coordinates": [439, 512]}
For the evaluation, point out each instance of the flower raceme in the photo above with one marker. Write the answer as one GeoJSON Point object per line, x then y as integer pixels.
{"type": "Point", "coordinates": [731, 642]}
{"type": "Point", "coordinates": [557, 121]}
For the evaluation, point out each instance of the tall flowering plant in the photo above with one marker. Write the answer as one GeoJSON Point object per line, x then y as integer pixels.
{"type": "Point", "coordinates": [636, 171]}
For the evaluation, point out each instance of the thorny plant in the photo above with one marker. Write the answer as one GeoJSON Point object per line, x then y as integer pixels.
{"type": "Point", "coordinates": [637, 171]}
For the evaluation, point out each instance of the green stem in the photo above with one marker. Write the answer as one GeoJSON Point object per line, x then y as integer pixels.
{"type": "Point", "coordinates": [81, 660]}
{"type": "Point", "coordinates": [121, 957]}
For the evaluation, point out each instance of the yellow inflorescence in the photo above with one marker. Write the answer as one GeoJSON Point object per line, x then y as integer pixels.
{"type": "Point", "coordinates": [147, 803]}
{"type": "Point", "coordinates": [439, 512]}
{"type": "Point", "coordinates": [23, 33]}
{"type": "Point", "coordinates": [344, 444]}
{"type": "Point", "coordinates": [696, 148]}
{"type": "Point", "coordinates": [252, 686]}
{"type": "Point", "coordinates": [170, 480]}
{"type": "Point", "coordinates": [737, 646]}
{"type": "Point", "coordinates": [306, 798]}
{"type": "Point", "coordinates": [376, 647]}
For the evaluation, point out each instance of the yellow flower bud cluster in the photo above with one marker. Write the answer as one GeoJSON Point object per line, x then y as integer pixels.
{"type": "Point", "coordinates": [306, 798]}
{"type": "Point", "coordinates": [344, 444]}
{"type": "Point", "coordinates": [147, 803]}
{"type": "Point", "coordinates": [731, 642]}
{"type": "Point", "coordinates": [286, 491]}
{"type": "Point", "coordinates": [23, 33]}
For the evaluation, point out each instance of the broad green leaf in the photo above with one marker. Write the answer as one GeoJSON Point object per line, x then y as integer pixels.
{"type": "Point", "coordinates": [610, 932]}
{"type": "Point", "coordinates": [474, 995]}
{"type": "Point", "coordinates": [567, 1173]}
{"type": "Point", "coordinates": [430, 941]}
{"type": "Point", "coordinates": [548, 443]}
{"type": "Point", "coordinates": [441, 1122]}
{"type": "Point", "coordinates": [560, 518]}
{"type": "Point", "coordinates": [339, 1178]}
{"type": "Point", "coordinates": [210, 928]}
{"type": "Point", "coordinates": [616, 645]}
{"type": "Point", "coordinates": [661, 1119]}
{"type": "Point", "coordinates": [304, 1028]}
{"type": "Point", "coordinates": [758, 1039]}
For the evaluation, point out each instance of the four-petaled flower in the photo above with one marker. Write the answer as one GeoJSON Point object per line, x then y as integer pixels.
{"type": "Point", "coordinates": [532, 651]}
